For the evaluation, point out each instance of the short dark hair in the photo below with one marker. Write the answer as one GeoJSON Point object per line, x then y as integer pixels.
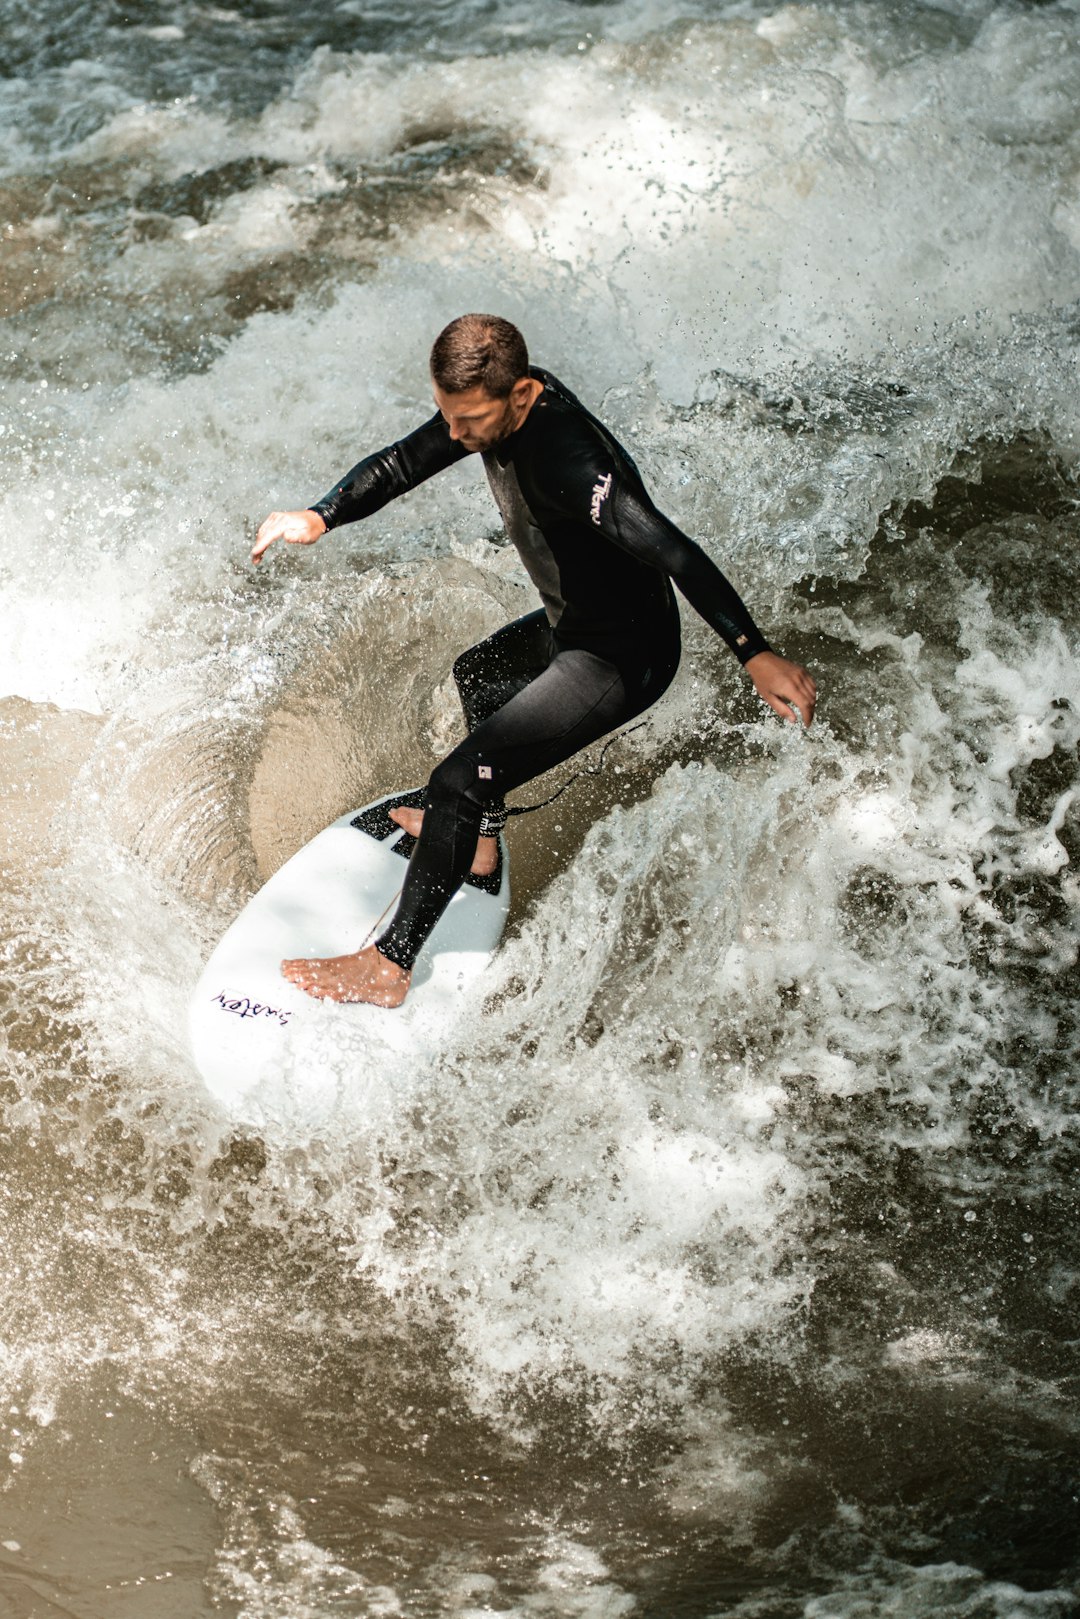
{"type": "Point", "coordinates": [479, 351]}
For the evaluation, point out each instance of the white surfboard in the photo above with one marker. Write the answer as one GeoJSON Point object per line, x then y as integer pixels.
{"type": "Point", "coordinates": [268, 1051]}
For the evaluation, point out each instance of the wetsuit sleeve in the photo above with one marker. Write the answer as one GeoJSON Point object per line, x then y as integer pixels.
{"type": "Point", "coordinates": [639, 528]}
{"type": "Point", "coordinates": [620, 508]}
{"type": "Point", "coordinates": [388, 473]}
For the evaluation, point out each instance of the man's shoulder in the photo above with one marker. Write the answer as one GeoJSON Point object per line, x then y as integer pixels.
{"type": "Point", "coordinates": [560, 419]}
{"type": "Point", "coordinates": [556, 390]}
{"type": "Point", "coordinates": [429, 447]}
{"type": "Point", "coordinates": [566, 437]}
{"type": "Point", "coordinates": [558, 406]}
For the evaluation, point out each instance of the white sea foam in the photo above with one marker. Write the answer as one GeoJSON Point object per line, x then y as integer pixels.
{"type": "Point", "coordinates": [921, 1593]}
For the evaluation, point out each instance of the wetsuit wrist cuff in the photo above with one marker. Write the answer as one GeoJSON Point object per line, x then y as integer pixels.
{"type": "Point", "coordinates": [753, 645]}
{"type": "Point", "coordinates": [325, 512]}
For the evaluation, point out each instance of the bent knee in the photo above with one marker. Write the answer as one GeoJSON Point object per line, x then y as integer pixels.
{"type": "Point", "coordinates": [462, 775]}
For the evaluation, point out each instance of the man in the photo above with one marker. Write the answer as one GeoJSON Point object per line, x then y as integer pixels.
{"type": "Point", "coordinates": [604, 646]}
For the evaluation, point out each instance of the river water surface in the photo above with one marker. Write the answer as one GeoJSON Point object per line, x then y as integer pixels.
{"type": "Point", "coordinates": [729, 1266]}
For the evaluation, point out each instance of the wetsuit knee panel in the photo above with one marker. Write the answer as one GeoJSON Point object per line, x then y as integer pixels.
{"type": "Point", "coordinates": [462, 775]}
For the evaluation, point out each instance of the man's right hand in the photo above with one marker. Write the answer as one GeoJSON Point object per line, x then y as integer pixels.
{"type": "Point", "coordinates": [785, 686]}
{"type": "Point", "coordinates": [295, 528]}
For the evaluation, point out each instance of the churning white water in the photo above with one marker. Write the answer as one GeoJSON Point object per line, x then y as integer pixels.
{"type": "Point", "coordinates": [729, 1266]}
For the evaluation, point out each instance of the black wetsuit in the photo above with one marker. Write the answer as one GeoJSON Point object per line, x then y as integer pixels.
{"type": "Point", "coordinates": [602, 649]}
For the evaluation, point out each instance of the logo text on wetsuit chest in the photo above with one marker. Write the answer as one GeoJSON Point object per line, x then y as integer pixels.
{"type": "Point", "coordinates": [601, 490]}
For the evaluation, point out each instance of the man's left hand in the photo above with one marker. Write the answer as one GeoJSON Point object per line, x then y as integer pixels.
{"type": "Point", "coordinates": [785, 686]}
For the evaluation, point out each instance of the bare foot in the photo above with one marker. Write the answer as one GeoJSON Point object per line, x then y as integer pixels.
{"type": "Point", "coordinates": [366, 976]}
{"type": "Point", "coordinates": [487, 849]}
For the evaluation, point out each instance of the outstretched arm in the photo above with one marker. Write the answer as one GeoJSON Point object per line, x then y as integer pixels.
{"type": "Point", "coordinates": [373, 482]}
{"type": "Point", "coordinates": [634, 523]}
